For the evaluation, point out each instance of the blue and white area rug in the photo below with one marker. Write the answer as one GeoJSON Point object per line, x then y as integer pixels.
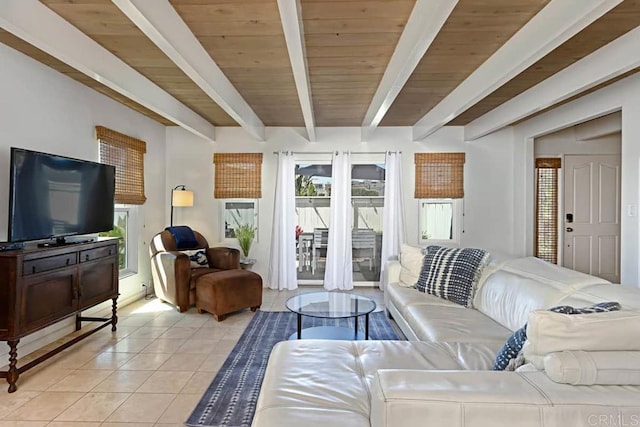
{"type": "Point", "coordinates": [230, 400]}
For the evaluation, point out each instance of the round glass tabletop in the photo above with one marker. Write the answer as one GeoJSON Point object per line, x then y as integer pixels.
{"type": "Point", "coordinates": [330, 305]}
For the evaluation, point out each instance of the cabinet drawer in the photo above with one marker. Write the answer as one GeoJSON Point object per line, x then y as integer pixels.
{"type": "Point", "coordinates": [47, 264]}
{"type": "Point", "coordinates": [97, 253]}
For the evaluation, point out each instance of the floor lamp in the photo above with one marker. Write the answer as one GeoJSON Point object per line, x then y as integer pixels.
{"type": "Point", "coordinates": [180, 197]}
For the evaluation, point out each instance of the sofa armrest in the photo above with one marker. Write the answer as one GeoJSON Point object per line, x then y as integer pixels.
{"type": "Point", "coordinates": [412, 398]}
{"type": "Point", "coordinates": [223, 258]}
{"type": "Point", "coordinates": [392, 272]}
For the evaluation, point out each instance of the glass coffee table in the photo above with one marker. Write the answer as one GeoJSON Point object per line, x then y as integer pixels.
{"type": "Point", "coordinates": [331, 305]}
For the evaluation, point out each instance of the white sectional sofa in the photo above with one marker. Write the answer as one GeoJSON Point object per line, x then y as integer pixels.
{"type": "Point", "coordinates": [442, 376]}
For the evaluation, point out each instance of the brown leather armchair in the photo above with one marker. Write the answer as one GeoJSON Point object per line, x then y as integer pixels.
{"type": "Point", "coordinates": [174, 280]}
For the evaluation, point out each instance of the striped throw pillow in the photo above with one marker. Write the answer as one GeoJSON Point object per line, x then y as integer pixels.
{"type": "Point", "coordinates": [452, 273]}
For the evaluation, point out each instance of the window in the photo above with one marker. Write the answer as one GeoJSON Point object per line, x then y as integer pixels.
{"type": "Point", "coordinates": [127, 155]}
{"type": "Point", "coordinates": [239, 212]}
{"type": "Point", "coordinates": [546, 221]}
{"type": "Point", "coordinates": [440, 185]}
{"type": "Point", "coordinates": [238, 175]}
{"type": "Point", "coordinates": [440, 220]}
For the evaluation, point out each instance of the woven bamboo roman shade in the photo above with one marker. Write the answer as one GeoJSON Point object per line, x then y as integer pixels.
{"type": "Point", "coordinates": [547, 209]}
{"type": "Point", "coordinates": [127, 155]}
{"type": "Point", "coordinates": [439, 175]}
{"type": "Point", "coordinates": [238, 175]}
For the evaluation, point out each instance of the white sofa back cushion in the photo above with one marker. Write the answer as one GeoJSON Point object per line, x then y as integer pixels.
{"type": "Point", "coordinates": [522, 285]}
{"type": "Point", "coordinates": [411, 263]}
{"type": "Point", "coordinates": [549, 332]}
{"type": "Point", "coordinates": [594, 367]}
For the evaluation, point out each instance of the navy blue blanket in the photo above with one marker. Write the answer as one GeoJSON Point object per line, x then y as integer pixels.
{"type": "Point", "coordinates": [185, 237]}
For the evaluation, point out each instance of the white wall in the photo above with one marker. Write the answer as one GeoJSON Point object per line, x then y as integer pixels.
{"type": "Point", "coordinates": [488, 205]}
{"type": "Point", "coordinates": [623, 95]}
{"type": "Point", "coordinates": [43, 110]}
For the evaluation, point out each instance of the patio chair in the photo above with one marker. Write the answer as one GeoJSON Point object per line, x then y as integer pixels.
{"type": "Point", "coordinates": [320, 238]}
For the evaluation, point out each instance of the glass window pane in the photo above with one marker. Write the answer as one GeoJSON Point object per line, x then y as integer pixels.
{"type": "Point", "coordinates": [238, 213]}
{"type": "Point", "coordinates": [120, 227]}
{"type": "Point", "coordinates": [437, 220]}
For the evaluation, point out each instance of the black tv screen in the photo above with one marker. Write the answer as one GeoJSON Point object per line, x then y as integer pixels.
{"type": "Point", "coordinates": [54, 196]}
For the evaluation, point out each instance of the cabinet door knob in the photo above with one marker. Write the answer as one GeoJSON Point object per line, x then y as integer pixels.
{"type": "Point", "coordinates": [33, 270]}
{"type": "Point", "coordinates": [86, 257]}
{"type": "Point", "coordinates": [67, 261]}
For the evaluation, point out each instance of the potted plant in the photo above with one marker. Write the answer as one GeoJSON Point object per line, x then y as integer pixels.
{"type": "Point", "coordinates": [245, 235]}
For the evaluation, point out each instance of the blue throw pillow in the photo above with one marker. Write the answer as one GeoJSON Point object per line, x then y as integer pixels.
{"type": "Point", "coordinates": [513, 346]}
{"type": "Point", "coordinates": [451, 273]}
{"type": "Point", "coordinates": [184, 236]}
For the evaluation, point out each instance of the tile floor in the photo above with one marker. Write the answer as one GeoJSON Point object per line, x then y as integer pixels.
{"type": "Point", "coordinates": [151, 372]}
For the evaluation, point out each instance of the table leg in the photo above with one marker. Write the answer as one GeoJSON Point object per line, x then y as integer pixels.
{"type": "Point", "coordinates": [366, 327]}
{"type": "Point", "coordinates": [355, 321]}
{"type": "Point", "coordinates": [12, 373]}
{"type": "Point", "coordinates": [299, 326]}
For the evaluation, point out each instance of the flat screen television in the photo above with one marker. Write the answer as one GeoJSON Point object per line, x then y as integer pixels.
{"type": "Point", "coordinates": [53, 196]}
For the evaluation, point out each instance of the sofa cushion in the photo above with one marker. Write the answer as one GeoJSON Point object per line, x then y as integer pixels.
{"type": "Point", "coordinates": [452, 324]}
{"type": "Point", "coordinates": [410, 264]}
{"type": "Point", "coordinates": [594, 367]}
{"type": "Point", "coordinates": [514, 344]}
{"type": "Point", "coordinates": [452, 273]}
{"type": "Point", "coordinates": [628, 296]}
{"type": "Point", "coordinates": [197, 257]}
{"type": "Point", "coordinates": [549, 332]}
{"type": "Point", "coordinates": [402, 297]}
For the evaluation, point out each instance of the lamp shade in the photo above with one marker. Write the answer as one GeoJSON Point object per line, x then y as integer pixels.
{"type": "Point", "coordinates": [182, 198]}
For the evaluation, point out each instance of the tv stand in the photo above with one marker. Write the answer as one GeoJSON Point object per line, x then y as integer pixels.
{"type": "Point", "coordinates": [42, 286]}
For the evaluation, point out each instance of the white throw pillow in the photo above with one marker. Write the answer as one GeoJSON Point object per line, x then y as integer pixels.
{"type": "Point", "coordinates": [410, 264]}
{"type": "Point", "coordinates": [594, 367]}
{"type": "Point", "coordinates": [549, 332]}
{"type": "Point", "coordinates": [198, 258]}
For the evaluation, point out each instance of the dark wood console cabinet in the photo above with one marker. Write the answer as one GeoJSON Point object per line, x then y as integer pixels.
{"type": "Point", "coordinates": [41, 286]}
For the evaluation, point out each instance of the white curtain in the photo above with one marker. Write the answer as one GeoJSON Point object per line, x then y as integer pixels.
{"type": "Point", "coordinates": [339, 270]}
{"type": "Point", "coordinates": [282, 265]}
{"type": "Point", "coordinates": [393, 233]}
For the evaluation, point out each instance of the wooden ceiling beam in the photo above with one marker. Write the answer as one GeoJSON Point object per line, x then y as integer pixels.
{"type": "Point", "coordinates": [423, 25]}
{"type": "Point", "coordinates": [613, 60]}
{"type": "Point", "coordinates": [291, 17]}
{"type": "Point", "coordinates": [166, 29]}
{"type": "Point", "coordinates": [38, 25]}
{"type": "Point", "coordinates": [556, 23]}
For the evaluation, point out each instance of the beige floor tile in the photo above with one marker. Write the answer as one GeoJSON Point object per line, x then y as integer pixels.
{"type": "Point", "coordinates": [73, 424]}
{"type": "Point", "coordinates": [123, 381]}
{"type": "Point", "coordinates": [135, 320]}
{"type": "Point", "coordinates": [192, 321]}
{"type": "Point", "coordinates": [71, 359]}
{"type": "Point", "coordinates": [198, 383]}
{"type": "Point", "coordinates": [11, 402]}
{"type": "Point", "coordinates": [130, 345]}
{"type": "Point", "coordinates": [108, 360]}
{"type": "Point", "coordinates": [180, 409]}
{"type": "Point", "coordinates": [142, 407]}
{"type": "Point", "coordinates": [41, 378]}
{"type": "Point", "coordinates": [213, 363]}
{"type": "Point", "coordinates": [44, 407]}
{"type": "Point", "coordinates": [183, 362]}
{"type": "Point", "coordinates": [93, 407]}
{"type": "Point", "coordinates": [23, 423]}
{"type": "Point", "coordinates": [148, 332]}
{"type": "Point", "coordinates": [177, 332]}
{"type": "Point", "coordinates": [129, 425]}
{"type": "Point", "coordinates": [165, 382]}
{"type": "Point", "coordinates": [225, 345]}
{"type": "Point", "coordinates": [208, 333]}
{"type": "Point", "coordinates": [198, 346]}
{"type": "Point", "coordinates": [145, 362]}
{"type": "Point", "coordinates": [81, 380]}
{"type": "Point", "coordinates": [164, 346]}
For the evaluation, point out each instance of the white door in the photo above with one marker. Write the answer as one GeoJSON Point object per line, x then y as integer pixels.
{"type": "Point", "coordinates": [592, 215]}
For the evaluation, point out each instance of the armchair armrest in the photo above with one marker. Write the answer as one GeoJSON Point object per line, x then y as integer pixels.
{"type": "Point", "coordinates": [171, 277]}
{"type": "Point", "coordinates": [224, 258]}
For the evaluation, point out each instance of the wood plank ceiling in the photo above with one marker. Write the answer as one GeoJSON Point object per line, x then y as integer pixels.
{"type": "Point", "coordinates": [348, 44]}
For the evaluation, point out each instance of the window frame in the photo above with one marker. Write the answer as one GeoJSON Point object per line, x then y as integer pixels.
{"type": "Point", "coordinates": [457, 217]}
{"type": "Point", "coordinates": [256, 217]}
{"type": "Point", "coordinates": [131, 240]}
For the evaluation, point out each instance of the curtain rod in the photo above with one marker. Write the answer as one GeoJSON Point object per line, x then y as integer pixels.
{"type": "Point", "coordinates": [331, 152]}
